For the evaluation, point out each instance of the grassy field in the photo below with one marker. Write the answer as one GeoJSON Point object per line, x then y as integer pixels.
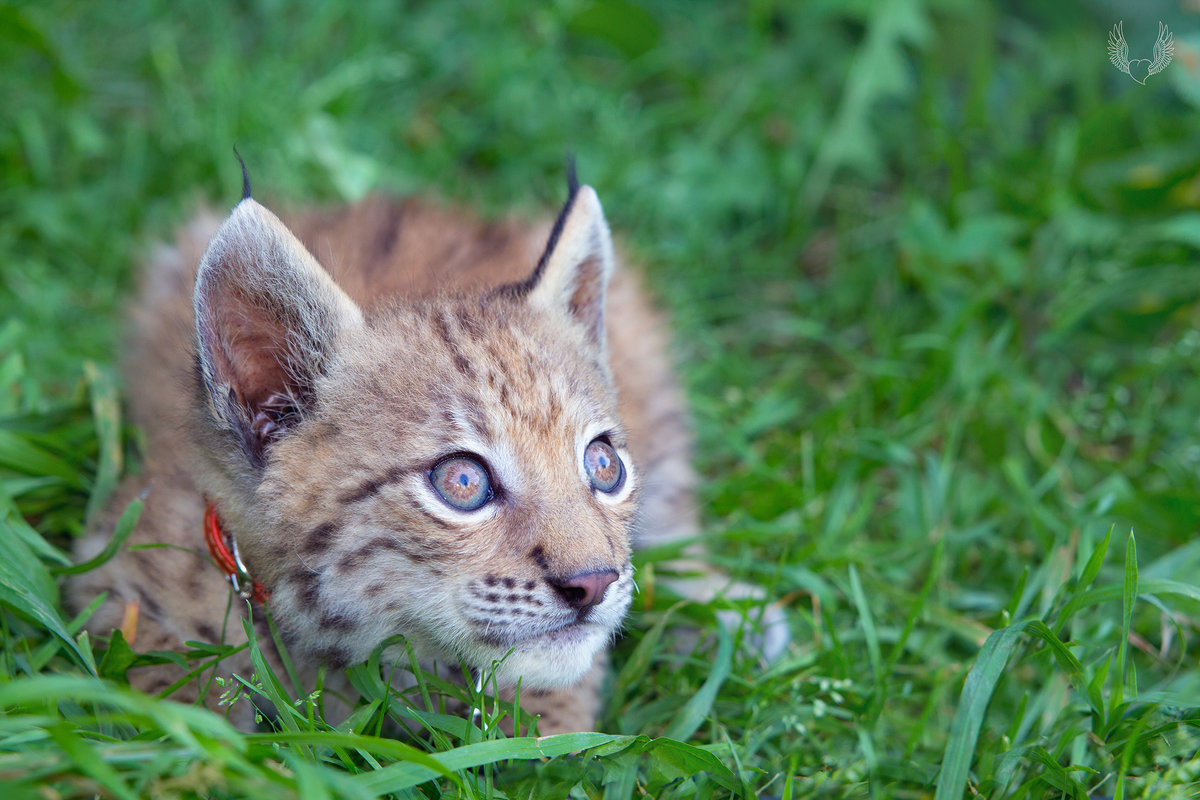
{"type": "Point", "coordinates": [933, 275]}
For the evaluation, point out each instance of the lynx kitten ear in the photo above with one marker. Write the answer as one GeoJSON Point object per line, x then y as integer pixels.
{"type": "Point", "coordinates": [267, 317]}
{"type": "Point", "coordinates": [572, 275]}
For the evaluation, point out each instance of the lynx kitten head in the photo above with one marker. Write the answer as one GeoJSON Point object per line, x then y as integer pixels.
{"type": "Point", "coordinates": [452, 469]}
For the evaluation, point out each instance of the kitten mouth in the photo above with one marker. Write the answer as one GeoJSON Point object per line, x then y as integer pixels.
{"type": "Point", "coordinates": [574, 631]}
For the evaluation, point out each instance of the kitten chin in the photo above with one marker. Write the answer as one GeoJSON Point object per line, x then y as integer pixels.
{"type": "Point", "coordinates": [554, 660]}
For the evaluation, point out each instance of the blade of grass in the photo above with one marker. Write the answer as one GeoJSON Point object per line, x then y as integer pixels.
{"type": "Point", "coordinates": [364, 744]}
{"type": "Point", "coordinates": [125, 525]}
{"type": "Point", "coordinates": [272, 688]}
{"type": "Point", "coordinates": [186, 724]}
{"type": "Point", "coordinates": [698, 706]}
{"type": "Point", "coordinates": [27, 589]}
{"type": "Point", "coordinates": [106, 413]}
{"type": "Point", "coordinates": [972, 706]}
{"type": "Point", "coordinates": [871, 636]}
{"type": "Point", "coordinates": [396, 777]}
{"type": "Point", "coordinates": [1128, 597]}
{"type": "Point", "coordinates": [1106, 594]}
{"type": "Point", "coordinates": [1078, 592]}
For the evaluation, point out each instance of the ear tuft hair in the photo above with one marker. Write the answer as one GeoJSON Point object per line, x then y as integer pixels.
{"type": "Point", "coordinates": [524, 287]}
{"type": "Point", "coordinates": [572, 177]}
{"type": "Point", "coordinates": [245, 174]}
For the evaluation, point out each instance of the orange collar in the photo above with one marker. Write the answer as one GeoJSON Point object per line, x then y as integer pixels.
{"type": "Point", "coordinates": [223, 549]}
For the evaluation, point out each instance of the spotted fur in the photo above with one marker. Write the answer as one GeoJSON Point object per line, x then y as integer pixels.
{"type": "Point", "coordinates": [318, 400]}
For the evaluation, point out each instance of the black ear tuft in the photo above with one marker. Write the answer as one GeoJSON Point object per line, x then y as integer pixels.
{"type": "Point", "coordinates": [245, 174]}
{"type": "Point", "coordinates": [572, 178]}
{"type": "Point", "coordinates": [524, 287]}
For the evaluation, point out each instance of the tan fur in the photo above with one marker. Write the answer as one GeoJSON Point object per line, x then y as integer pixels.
{"type": "Point", "coordinates": [416, 356]}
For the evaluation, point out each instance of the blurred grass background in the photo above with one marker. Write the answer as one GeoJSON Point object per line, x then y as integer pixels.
{"type": "Point", "coordinates": [931, 268]}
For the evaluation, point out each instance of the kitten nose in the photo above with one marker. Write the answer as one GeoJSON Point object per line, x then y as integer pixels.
{"type": "Point", "coordinates": [585, 589]}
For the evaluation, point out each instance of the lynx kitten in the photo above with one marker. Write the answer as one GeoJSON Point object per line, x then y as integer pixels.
{"type": "Point", "coordinates": [444, 436]}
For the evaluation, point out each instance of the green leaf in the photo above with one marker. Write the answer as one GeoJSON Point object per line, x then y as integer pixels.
{"type": "Point", "coordinates": [118, 658]}
{"type": "Point", "coordinates": [673, 760]}
{"type": "Point", "coordinates": [972, 707]}
{"type": "Point", "coordinates": [396, 777]}
{"type": "Point", "coordinates": [27, 589]}
{"type": "Point", "coordinates": [624, 25]}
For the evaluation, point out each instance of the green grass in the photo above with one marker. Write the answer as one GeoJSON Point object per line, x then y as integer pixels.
{"type": "Point", "coordinates": [932, 271]}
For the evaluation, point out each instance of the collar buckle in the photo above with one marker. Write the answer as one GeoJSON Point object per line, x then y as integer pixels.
{"type": "Point", "coordinates": [223, 548]}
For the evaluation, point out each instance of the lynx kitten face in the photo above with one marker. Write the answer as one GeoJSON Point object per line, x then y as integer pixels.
{"type": "Point", "coordinates": [453, 469]}
{"type": "Point", "coordinates": [457, 433]}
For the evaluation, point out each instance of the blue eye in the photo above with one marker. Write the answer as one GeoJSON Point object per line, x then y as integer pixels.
{"type": "Point", "coordinates": [462, 482]}
{"type": "Point", "coordinates": [603, 466]}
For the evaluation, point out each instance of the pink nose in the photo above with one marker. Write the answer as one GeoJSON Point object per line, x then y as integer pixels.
{"type": "Point", "coordinates": [585, 589]}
